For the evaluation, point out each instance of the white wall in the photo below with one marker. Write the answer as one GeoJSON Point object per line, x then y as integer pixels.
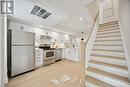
{"type": "Point", "coordinates": [1, 60]}
{"type": "Point", "coordinates": [3, 50]}
{"type": "Point", "coordinates": [124, 19]}
{"type": "Point", "coordinates": [92, 8]}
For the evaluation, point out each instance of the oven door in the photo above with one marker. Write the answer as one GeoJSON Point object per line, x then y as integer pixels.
{"type": "Point", "coordinates": [49, 54]}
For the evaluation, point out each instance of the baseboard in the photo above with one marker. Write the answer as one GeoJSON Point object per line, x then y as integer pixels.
{"type": "Point", "coordinates": [71, 60]}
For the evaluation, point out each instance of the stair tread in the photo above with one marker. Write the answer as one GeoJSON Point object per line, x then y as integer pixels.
{"type": "Point", "coordinates": [113, 22]}
{"type": "Point", "coordinates": [108, 24]}
{"type": "Point", "coordinates": [97, 83]}
{"type": "Point", "coordinates": [114, 30]}
{"type": "Point", "coordinates": [108, 50]}
{"type": "Point", "coordinates": [108, 40]}
{"type": "Point", "coordinates": [108, 36]}
{"type": "Point", "coordinates": [109, 75]}
{"type": "Point", "coordinates": [107, 56]}
{"type": "Point", "coordinates": [109, 65]}
{"type": "Point", "coordinates": [108, 32]}
{"type": "Point", "coordinates": [106, 27]}
{"type": "Point", "coordinates": [102, 30]}
{"type": "Point", "coordinates": [110, 58]}
{"type": "Point", "coordinates": [107, 45]}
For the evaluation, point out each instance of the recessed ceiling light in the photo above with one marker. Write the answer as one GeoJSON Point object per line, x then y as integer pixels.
{"type": "Point", "coordinates": [88, 25]}
{"type": "Point", "coordinates": [80, 19]}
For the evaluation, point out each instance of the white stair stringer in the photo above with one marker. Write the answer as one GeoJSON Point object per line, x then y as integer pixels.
{"type": "Point", "coordinates": [107, 65]}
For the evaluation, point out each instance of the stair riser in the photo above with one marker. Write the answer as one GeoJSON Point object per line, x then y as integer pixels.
{"type": "Point", "coordinates": [110, 42]}
{"type": "Point", "coordinates": [109, 61]}
{"type": "Point", "coordinates": [113, 70]}
{"type": "Point", "coordinates": [108, 47]}
{"type": "Point", "coordinates": [108, 38]}
{"type": "Point", "coordinates": [108, 31]}
{"type": "Point", "coordinates": [108, 24]}
{"type": "Point", "coordinates": [117, 32]}
{"type": "Point", "coordinates": [108, 34]}
{"type": "Point", "coordinates": [116, 54]}
{"type": "Point", "coordinates": [105, 27]}
{"type": "Point", "coordinates": [108, 80]}
{"type": "Point", "coordinates": [108, 27]}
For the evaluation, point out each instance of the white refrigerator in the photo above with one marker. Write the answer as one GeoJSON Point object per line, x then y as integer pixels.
{"type": "Point", "coordinates": [20, 52]}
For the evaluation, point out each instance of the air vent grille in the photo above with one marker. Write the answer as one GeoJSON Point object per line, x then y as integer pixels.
{"type": "Point", "coordinates": [46, 15]}
{"type": "Point", "coordinates": [40, 12]}
{"type": "Point", "coordinates": [35, 10]}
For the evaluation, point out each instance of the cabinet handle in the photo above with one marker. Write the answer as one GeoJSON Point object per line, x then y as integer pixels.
{"type": "Point", "coordinates": [69, 52]}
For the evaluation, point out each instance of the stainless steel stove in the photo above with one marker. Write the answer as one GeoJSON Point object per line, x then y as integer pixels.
{"type": "Point", "coordinates": [48, 54]}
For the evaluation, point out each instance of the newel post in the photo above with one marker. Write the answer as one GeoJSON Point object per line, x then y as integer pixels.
{"type": "Point", "coordinates": [82, 61]}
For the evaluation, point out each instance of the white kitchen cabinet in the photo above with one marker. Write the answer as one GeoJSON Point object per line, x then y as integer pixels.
{"type": "Point", "coordinates": [38, 57]}
{"type": "Point", "coordinates": [71, 54]}
{"type": "Point", "coordinates": [58, 54]}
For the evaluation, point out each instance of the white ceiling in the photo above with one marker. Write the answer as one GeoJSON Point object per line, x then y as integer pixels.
{"type": "Point", "coordinates": [65, 16]}
{"type": "Point", "coordinates": [74, 9]}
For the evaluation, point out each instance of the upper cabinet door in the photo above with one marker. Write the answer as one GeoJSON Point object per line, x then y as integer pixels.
{"type": "Point", "coordinates": [108, 10]}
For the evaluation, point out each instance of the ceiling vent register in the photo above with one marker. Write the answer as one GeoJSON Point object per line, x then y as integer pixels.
{"type": "Point", "coordinates": [40, 12]}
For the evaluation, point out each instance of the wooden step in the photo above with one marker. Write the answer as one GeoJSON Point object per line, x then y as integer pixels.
{"type": "Point", "coordinates": [109, 23]}
{"type": "Point", "coordinates": [109, 53]}
{"type": "Point", "coordinates": [108, 38]}
{"type": "Point", "coordinates": [108, 47]}
{"type": "Point", "coordinates": [108, 43]}
{"type": "Point", "coordinates": [110, 34]}
{"type": "Point", "coordinates": [113, 32]}
{"type": "Point", "coordinates": [110, 29]}
{"type": "Point", "coordinates": [108, 50]}
{"type": "Point", "coordinates": [92, 82]}
{"type": "Point", "coordinates": [108, 56]}
{"type": "Point", "coordinates": [106, 27]}
{"type": "Point", "coordinates": [111, 68]}
{"type": "Point", "coordinates": [116, 61]}
{"type": "Point", "coordinates": [109, 78]}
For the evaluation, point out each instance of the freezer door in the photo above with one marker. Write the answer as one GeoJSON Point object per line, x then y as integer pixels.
{"type": "Point", "coordinates": [22, 38]}
{"type": "Point", "coordinates": [22, 59]}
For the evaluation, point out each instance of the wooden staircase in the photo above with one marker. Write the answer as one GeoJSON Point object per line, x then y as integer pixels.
{"type": "Point", "coordinates": [107, 65]}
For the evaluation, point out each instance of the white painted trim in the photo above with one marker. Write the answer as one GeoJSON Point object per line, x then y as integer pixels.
{"type": "Point", "coordinates": [0, 53]}
{"type": "Point", "coordinates": [124, 45]}
{"type": "Point", "coordinates": [89, 46]}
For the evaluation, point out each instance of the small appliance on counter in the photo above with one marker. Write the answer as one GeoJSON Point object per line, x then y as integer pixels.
{"type": "Point", "coordinates": [48, 54]}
